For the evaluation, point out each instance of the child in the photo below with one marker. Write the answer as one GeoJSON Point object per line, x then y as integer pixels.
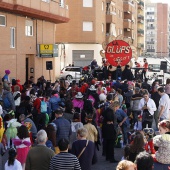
{"type": "Point", "coordinates": [22, 143]}
{"type": "Point", "coordinates": [162, 142]}
{"type": "Point", "coordinates": [12, 163]}
{"type": "Point", "coordinates": [11, 131]}
{"type": "Point", "coordinates": [92, 131]}
{"type": "Point", "coordinates": [148, 133]}
{"type": "Point", "coordinates": [138, 124]}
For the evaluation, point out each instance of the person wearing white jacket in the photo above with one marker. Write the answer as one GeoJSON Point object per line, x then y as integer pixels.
{"type": "Point", "coordinates": [147, 107]}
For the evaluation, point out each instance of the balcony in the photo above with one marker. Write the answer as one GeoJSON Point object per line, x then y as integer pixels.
{"type": "Point", "coordinates": [150, 35]}
{"type": "Point", "coordinates": [140, 45]}
{"type": "Point", "coordinates": [140, 32]}
{"type": "Point", "coordinates": [140, 7]}
{"type": "Point", "coordinates": [150, 20]}
{"type": "Point", "coordinates": [127, 24]}
{"type": "Point", "coordinates": [151, 50]}
{"type": "Point", "coordinates": [141, 19]}
{"type": "Point", "coordinates": [150, 42]}
{"type": "Point", "coordinates": [150, 13]}
{"type": "Point", "coordinates": [38, 9]}
{"type": "Point", "coordinates": [151, 28]}
{"type": "Point", "coordinates": [127, 7]}
{"type": "Point", "coordinates": [110, 18]}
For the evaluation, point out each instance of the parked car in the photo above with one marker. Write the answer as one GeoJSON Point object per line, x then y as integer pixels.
{"type": "Point", "coordinates": [70, 72]}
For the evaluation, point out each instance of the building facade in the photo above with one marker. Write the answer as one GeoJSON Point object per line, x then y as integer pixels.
{"type": "Point", "coordinates": [157, 30]}
{"type": "Point", "coordinates": [26, 27]}
{"type": "Point", "coordinates": [140, 28]}
{"type": "Point", "coordinates": [93, 23]}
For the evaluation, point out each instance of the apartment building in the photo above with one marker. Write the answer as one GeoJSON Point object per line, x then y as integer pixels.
{"type": "Point", "coordinates": [140, 28]}
{"type": "Point", "coordinates": [82, 37]}
{"type": "Point", "coordinates": [93, 23]}
{"type": "Point", "coordinates": [27, 31]}
{"type": "Point", "coordinates": [157, 29]}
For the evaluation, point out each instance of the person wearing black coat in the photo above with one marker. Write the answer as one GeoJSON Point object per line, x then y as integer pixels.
{"type": "Point", "coordinates": [127, 74]}
{"type": "Point", "coordinates": [109, 131]}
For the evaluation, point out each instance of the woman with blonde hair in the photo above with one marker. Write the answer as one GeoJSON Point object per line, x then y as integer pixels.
{"type": "Point", "coordinates": [126, 165]}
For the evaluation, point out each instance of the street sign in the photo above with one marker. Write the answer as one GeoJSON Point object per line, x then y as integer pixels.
{"type": "Point", "coordinates": [118, 52]}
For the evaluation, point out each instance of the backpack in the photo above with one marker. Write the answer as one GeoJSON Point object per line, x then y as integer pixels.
{"type": "Point", "coordinates": [6, 102]}
{"type": "Point", "coordinates": [43, 107]}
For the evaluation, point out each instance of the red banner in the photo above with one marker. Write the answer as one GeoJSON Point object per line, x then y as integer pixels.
{"type": "Point", "coordinates": [118, 52]}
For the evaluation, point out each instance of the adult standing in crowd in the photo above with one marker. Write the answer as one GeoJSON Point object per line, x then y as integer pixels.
{"type": "Point", "coordinates": [164, 105]}
{"type": "Point", "coordinates": [64, 160]}
{"type": "Point", "coordinates": [134, 104]}
{"type": "Point", "coordinates": [54, 103]}
{"type": "Point", "coordinates": [39, 157]}
{"type": "Point", "coordinates": [8, 99]}
{"type": "Point", "coordinates": [84, 150]}
{"type": "Point", "coordinates": [137, 69]}
{"type": "Point", "coordinates": [147, 106]}
{"type": "Point", "coordinates": [167, 87]}
{"type": "Point", "coordinates": [63, 127]}
{"type": "Point", "coordinates": [109, 131]}
{"type": "Point", "coordinates": [145, 69]}
{"type": "Point", "coordinates": [156, 97]}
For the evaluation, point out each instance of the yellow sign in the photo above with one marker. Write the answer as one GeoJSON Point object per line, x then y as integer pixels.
{"type": "Point", "coordinates": [46, 48]}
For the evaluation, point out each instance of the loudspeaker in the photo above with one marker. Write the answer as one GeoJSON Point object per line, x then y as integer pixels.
{"type": "Point", "coordinates": [163, 66]}
{"type": "Point", "coordinates": [49, 65]}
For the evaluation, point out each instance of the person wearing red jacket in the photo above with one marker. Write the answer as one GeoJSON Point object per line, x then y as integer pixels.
{"type": "Point", "coordinates": [145, 68]}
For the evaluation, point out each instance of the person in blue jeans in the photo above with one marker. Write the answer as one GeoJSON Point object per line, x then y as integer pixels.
{"type": "Point", "coordinates": [122, 120]}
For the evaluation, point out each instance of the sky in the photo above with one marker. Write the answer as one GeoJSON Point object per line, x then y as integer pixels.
{"type": "Point", "coordinates": [163, 1]}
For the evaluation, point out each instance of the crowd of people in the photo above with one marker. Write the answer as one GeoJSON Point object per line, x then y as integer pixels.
{"type": "Point", "coordinates": [61, 125]}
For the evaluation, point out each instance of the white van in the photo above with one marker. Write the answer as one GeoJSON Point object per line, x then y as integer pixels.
{"type": "Point", "coordinates": [158, 68]}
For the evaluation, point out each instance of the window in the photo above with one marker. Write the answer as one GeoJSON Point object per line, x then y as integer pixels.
{"type": "Point", "coordinates": [29, 28]}
{"type": "Point", "coordinates": [87, 3]}
{"type": "Point", "coordinates": [12, 37]}
{"type": "Point", "coordinates": [2, 20]}
{"type": "Point", "coordinates": [87, 26]}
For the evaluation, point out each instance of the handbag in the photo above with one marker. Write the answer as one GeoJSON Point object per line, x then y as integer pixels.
{"type": "Point", "coordinates": [83, 150]}
{"type": "Point", "coordinates": [147, 116]}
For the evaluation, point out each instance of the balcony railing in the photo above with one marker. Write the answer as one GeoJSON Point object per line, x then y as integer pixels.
{"type": "Point", "coordinates": [52, 11]}
{"type": "Point", "coordinates": [151, 28]}
{"type": "Point", "coordinates": [150, 42]}
{"type": "Point", "coordinates": [150, 13]}
{"type": "Point", "coordinates": [151, 50]}
{"type": "Point", "coordinates": [150, 20]}
{"type": "Point", "coordinates": [140, 45]}
{"type": "Point", "coordinates": [141, 3]}
{"type": "Point", "coordinates": [140, 31]}
{"type": "Point", "coordinates": [151, 35]}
